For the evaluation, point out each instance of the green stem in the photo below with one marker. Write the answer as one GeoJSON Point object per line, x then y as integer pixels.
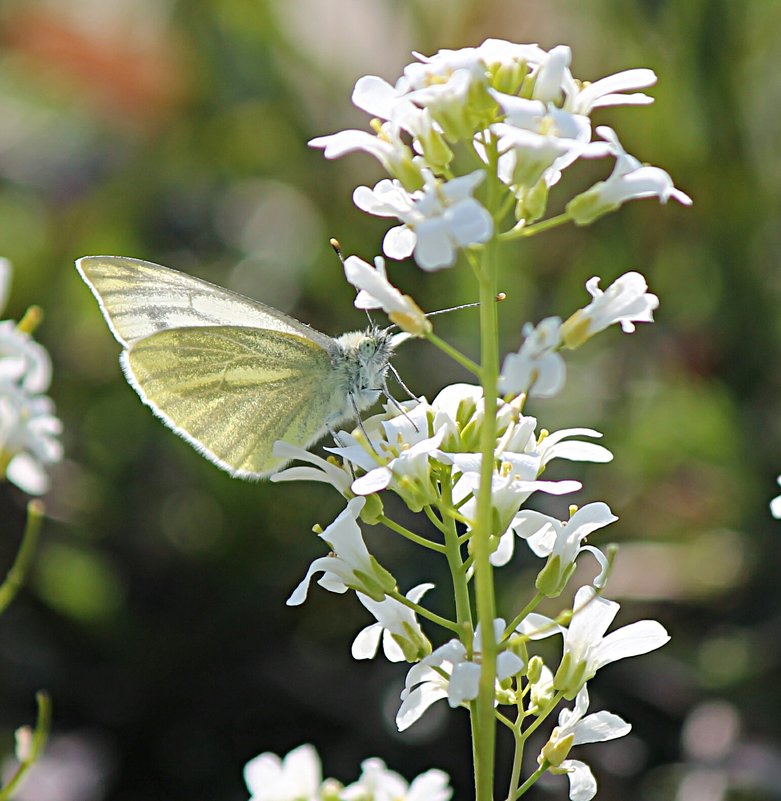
{"type": "Point", "coordinates": [423, 612]}
{"type": "Point", "coordinates": [40, 735]}
{"type": "Point", "coordinates": [536, 228]}
{"type": "Point", "coordinates": [435, 521]}
{"type": "Point", "coordinates": [532, 779]}
{"type": "Point", "coordinates": [515, 774]}
{"type": "Point", "coordinates": [410, 535]}
{"type": "Point", "coordinates": [552, 704]}
{"type": "Point", "coordinates": [484, 581]}
{"type": "Point", "coordinates": [16, 575]}
{"type": "Point", "coordinates": [454, 354]}
{"type": "Point", "coordinates": [456, 564]}
{"type": "Point", "coordinates": [530, 607]}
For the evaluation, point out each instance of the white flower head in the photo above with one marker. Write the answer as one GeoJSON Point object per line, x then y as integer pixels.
{"type": "Point", "coordinates": [626, 302]}
{"type": "Point", "coordinates": [537, 369]}
{"type": "Point", "coordinates": [562, 543]}
{"type": "Point", "coordinates": [397, 626]}
{"type": "Point", "coordinates": [448, 673]}
{"type": "Point", "coordinates": [437, 220]}
{"type": "Point", "coordinates": [630, 180]}
{"type": "Point", "coordinates": [577, 728]}
{"type": "Point", "coordinates": [396, 455]}
{"type": "Point", "coordinates": [376, 292]}
{"type": "Point", "coordinates": [377, 783]}
{"type": "Point", "coordinates": [350, 565]}
{"type": "Point", "coordinates": [587, 648]}
{"type": "Point", "coordinates": [28, 438]}
{"type": "Point", "coordinates": [22, 360]}
{"type": "Point", "coordinates": [297, 777]}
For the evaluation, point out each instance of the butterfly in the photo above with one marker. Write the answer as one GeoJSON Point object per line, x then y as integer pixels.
{"type": "Point", "coordinates": [228, 374]}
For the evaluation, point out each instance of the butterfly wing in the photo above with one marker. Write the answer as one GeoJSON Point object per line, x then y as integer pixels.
{"type": "Point", "coordinates": [232, 391]}
{"type": "Point", "coordinates": [139, 298]}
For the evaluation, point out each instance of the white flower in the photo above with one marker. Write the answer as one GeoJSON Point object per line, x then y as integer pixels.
{"type": "Point", "coordinates": [322, 470]}
{"type": "Point", "coordinates": [625, 301]}
{"type": "Point", "coordinates": [387, 146]}
{"type": "Point", "coordinates": [775, 504]}
{"type": "Point", "coordinates": [537, 369]}
{"type": "Point", "coordinates": [297, 777]}
{"type": "Point", "coordinates": [377, 783]}
{"type": "Point", "coordinates": [396, 455]}
{"type": "Point", "coordinates": [562, 543]}
{"type": "Point", "coordinates": [437, 219]}
{"type": "Point", "coordinates": [426, 683]}
{"type": "Point", "coordinates": [630, 180]}
{"type": "Point", "coordinates": [402, 637]}
{"type": "Point", "coordinates": [587, 649]}
{"type": "Point", "coordinates": [609, 91]}
{"type": "Point", "coordinates": [28, 438]}
{"type": "Point", "coordinates": [575, 729]}
{"type": "Point", "coordinates": [22, 360]}
{"type": "Point", "coordinates": [376, 292]}
{"type": "Point", "coordinates": [350, 565]}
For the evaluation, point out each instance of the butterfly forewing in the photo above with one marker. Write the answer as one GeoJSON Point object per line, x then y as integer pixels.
{"type": "Point", "coordinates": [233, 391]}
{"type": "Point", "coordinates": [139, 298]}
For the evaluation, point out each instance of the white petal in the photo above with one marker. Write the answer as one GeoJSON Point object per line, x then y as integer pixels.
{"type": "Point", "coordinates": [399, 242]}
{"type": "Point", "coordinates": [391, 649]}
{"type": "Point", "coordinates": [28, 474]}
{"type": "Point", "coordinates": [374, 481]}
{"type": "Point", "coordinates": [434, 249]}
{"type": "Point", "coordinates": [375, 96]}
{"type": "Point", "coordinates": [417, 702]}
{"type": "Point", "coordinates": [538, 627]}
{"type": "Point", "coordinates": [632, 640]}
{"type": "Point", "coordinates": [464, 682]}
{"type": "Point", "coordinates": [366, 642]}
{"type": "Point", "coordinates": [582, 784]}
{"type": "Point", "coordinates": [304, 764]}
{"type": "Point", "coordinates": [599, 727]}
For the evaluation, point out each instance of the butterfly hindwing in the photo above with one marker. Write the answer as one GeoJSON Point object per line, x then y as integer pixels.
{"type": "Point", "coordinates": [233, 391]}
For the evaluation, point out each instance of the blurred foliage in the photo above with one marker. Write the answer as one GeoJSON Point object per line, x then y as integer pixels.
{"type": "Point", "coordinates": [176, 131]}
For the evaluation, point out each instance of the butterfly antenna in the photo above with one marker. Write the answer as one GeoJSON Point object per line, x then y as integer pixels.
{"type": "Point", "coordinates": [499, 298]}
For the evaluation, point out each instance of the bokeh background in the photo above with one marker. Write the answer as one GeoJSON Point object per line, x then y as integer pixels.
{"type": "Point", "coordinates": [154, 615]}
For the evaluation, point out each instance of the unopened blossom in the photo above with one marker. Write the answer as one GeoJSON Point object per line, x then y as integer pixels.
{"type": "Point", "coordinates": [537, 369]}
{"type": "Point", "coordinates": [377, 783]}
{"type": "Point", "coordinates": [297, 777]}
{"type": "Point", "coordinates": [562, 543]}
{"type": "Point", "coordinates": [775, 504]}
{"type": "Point", "coordinates": [587, 648]}
{"type": "Point", "coordinates": [437, 220]}
{"type": "Point", "coordinates": [577, 728]}
{"type": "Point", "coordinates": [350, 565]}
{"type": "Point", "coordinates": [426, 683]}
{"type": "Point", "coordinates": [626, 302]}
{"type": "Point", "coordinates": [630, 180]}
{"type": "Point", "coordinates": [376, 292]}
{"type": "Point", "coordinates": [397, 626]}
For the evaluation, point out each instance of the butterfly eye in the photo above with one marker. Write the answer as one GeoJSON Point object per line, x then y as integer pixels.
{"type": "Point", "coordinates": [367, 347]}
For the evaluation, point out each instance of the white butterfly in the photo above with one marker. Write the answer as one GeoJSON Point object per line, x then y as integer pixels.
{"type": "Point", "coordinates": [228, 374]}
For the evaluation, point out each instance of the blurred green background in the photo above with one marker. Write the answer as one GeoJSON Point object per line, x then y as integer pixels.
{"type": "Point", "coordinates": [176, 132]}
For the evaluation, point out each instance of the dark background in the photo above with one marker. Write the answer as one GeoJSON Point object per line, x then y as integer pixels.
{"type": "Point", "coordinates": [155, 612]}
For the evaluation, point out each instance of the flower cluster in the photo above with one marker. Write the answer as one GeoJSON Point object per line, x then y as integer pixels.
{"type": "Point", "coordinates": [28, 426]}
{"type": "Point", "coordinates": [515, 108]}
{"type": "Point", "coordinates": [426, 454]}
{"type": "Point", "coordinates": [299, 777]}
{"type": "Point", "coordinates": [472, 460]}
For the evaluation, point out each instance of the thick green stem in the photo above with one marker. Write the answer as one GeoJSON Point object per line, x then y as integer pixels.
{"type": "Point", "coordinates": [481, 546]}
